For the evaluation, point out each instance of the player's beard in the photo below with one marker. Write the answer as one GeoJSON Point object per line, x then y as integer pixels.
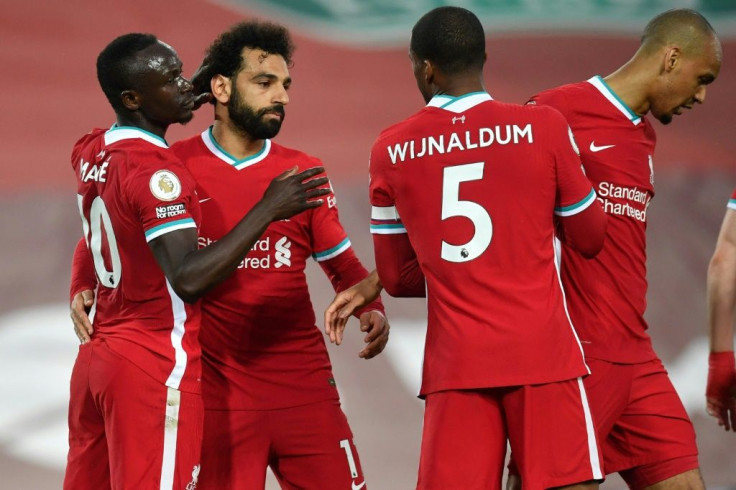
{"type": "Point", "coordinates": [250, 121]}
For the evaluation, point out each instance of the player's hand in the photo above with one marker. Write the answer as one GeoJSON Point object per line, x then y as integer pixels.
{"type": "Point", "coordinates": [720, 392]}
{"type": "Point", "coordinates": [293, 192]}
{"type": "Point", "coordinates": [202, 77]}
{"type": "Point", "coordinates": [79, 311]}
{"type": "Point", "coordinates": [376, 327]}
{"type": "Point", "coordinates": [202, 99]}
{"type": "Point", "coordinates": [347, 302]}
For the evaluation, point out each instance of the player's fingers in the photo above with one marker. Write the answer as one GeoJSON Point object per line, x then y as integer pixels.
{"type": "Point", "coordinates": [350, 306]}
{"type": "Point", "coordinates": [312, 183]}
{"type": "Point", "coordinates": [732, 417]}
{"type": "Point", "coordinates": [288, 173]}
{"type": "Point", "coordinates": [329, 320]}
{"type": "Point", "coordinates": [202, 99]}
{"type": "Point", "coordinates": [374, 327]}
{"type": "Point", "coordinates": [332, 317]}
{"type": "Point", "coordinates": [311, 172]}
{"type": "Point", "coordinates": [78, 312]}
{"type": "Point", "coordinates": [89, 297]}
{"type": "Point", "coordinates": [312, 204]}
{"type": "Point", "coordinates": [374, 348]}
{"type": "Point", "coordinates": [340, 330]}
{"type": "Point", "coordinates": [312, 193]}
{"type": "Point", "coordinates": [79, 330]}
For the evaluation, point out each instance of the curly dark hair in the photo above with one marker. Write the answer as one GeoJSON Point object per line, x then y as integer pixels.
{"type": "Point", "coordinates": [116, 67]}
{"type": "Point", "coordinates": [452, 38]}
{"type": "Point", "coordinates": [225, 54]}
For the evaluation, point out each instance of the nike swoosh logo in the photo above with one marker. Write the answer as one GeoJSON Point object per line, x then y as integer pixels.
{"type": "Point", "coordinates": [595, 148]}
{"type": "Point", "coordinates": [358, 487]}
{"type": "Point", "coordinates": [205, 199]}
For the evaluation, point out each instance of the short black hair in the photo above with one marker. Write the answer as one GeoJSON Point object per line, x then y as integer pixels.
{"type": "Point", "coordinates": [224, 56]}
{"type": "Point", "coordinates": [450, 37]}
{"type": "Point", "coordinates": [686, 27]}
{"type": "Point", "coordinates": [113, 64]}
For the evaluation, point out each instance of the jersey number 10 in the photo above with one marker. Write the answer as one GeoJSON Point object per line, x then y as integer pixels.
{"type": "Point", "coordinates": [99, 218]}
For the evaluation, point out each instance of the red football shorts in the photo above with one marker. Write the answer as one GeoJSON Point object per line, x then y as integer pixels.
{"type": "Point", "coordinates": [128, 431]}
{"type": "Point", "coordinates": [646, 434]}
{"type": "Point", "coordinates": [548, 427]}
{"type": "Point", "coordinates": [307, 447]}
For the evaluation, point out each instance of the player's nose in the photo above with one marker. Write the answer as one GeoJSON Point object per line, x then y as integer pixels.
{"type": "Point", "coordinates": [282, 96]}
{"type": "Point", "coordinates": [699, 96]}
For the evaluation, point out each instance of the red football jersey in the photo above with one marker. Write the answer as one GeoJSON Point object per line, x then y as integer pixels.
{"type": "Point", "coordinates": [606, 296]}
{"type": "Point", "coordinates": [732, 201]}
{"type": "Point", "coordinates": [131, 189]}
{"type": "Point", "coordinates": [476, 184]}
{"type": "Point", "coordinates": [262, 348]}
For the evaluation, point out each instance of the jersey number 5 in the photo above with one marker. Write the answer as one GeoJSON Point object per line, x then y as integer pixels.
{"type": "Point", "coordinates": [452, 206]}
{"type": "Point", "coordinates": [99, 218]}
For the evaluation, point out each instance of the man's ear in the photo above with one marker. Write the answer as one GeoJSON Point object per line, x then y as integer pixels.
{"type": "Point", "coordinates": [131, 100]}
{"type": "Point", "coordinates": [672, 58]}
{"type": "Point", "coordinates": [222, 87]}
{"type": "Point", "coordinates": [429, 71]}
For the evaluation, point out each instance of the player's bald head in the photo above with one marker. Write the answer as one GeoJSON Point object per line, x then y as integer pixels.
{"type": "Point", "coordinates": [685, 28]}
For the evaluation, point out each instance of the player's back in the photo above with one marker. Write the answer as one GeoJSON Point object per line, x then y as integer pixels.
{"type": "Point", "coordinates": [131, 190]}
{"type": "Point", "coordinates": [475, 182]}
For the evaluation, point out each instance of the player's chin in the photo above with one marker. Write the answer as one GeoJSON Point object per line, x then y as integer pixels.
{"type": "Point", "coordinates": [665, 118]}
{"type": "Point", "coordinates": [186, 116]}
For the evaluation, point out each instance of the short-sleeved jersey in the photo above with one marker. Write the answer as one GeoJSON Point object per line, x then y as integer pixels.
{"type": "Point", "coordinates": [606, 295]}
{"type": "Point", "coordinates": [732, 202]}
{"type": "Point", "coordinates": [476, 185]}
{"type": "Point", "coordinates": [132, 189]}
{"type": "Point", "coordinates": [261, 346]}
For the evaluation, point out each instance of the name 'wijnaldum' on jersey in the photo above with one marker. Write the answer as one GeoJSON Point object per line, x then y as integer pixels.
{"type": "Point", "coordinates": [468, 140]}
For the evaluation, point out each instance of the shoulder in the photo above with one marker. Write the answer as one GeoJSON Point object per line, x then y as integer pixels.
{"type": "Point", "coordinates": [188, 148]}
{"type": "Point", "coordinates": [143, 159]}
{"type": "Point", "coordinates": [89, 139]}
{"type": "Point", "coordinates": [565, 97]}
{"type": "Point", "coordinates": [538, 114]}
{"type": "Point", "coordinates": [288, 157]}
{"type": "Point", "coordinates": [187, 144]}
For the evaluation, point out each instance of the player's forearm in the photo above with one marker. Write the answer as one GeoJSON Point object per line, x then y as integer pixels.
{"type": "Point", "coordinates": [204, 269]}
{"type": "Point", "coordinates": [346, 271]}
{"type": "Point", "coordinates": [83, 270]}
{"type": "Point", "coordinates": [721, 298]}
{"type": "Point", "coordinates": [585, 232]}
{"type": "Point", "coordinates": [398, 267]}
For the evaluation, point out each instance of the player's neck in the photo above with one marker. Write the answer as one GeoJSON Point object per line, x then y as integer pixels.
{"type": "Point", "coordinates": [458, 85]}
{"type": "Point", "coordinates": [236, 143]}
{"type": "Point", "coordinates": [631, 84]}
{"type": "Point", "coordinates": [143, 124]}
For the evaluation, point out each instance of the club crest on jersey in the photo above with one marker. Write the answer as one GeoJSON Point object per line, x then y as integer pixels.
{"type": "Point", "coordinates": [192, 485]}
{"type": "Point", "coordinates": [165, 185]}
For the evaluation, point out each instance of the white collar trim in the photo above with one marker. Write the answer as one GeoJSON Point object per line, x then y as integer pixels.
{"type": "Point", "coordinates": [461, 103]}
{"type": "Point", "coordinates": [609, 94]}
{"type": "Point", "coordinates": [119, 133]}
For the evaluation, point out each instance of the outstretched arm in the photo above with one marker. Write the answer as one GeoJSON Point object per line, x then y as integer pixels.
{"type": "Point", "coordinates": [721, 298]}
{"type": "Point", "coordinates": [343, 271]}
{"type": "Point", "coordinates": [192, 272]}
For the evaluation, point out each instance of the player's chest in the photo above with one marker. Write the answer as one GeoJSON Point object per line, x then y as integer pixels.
{"type": "Point", "coordinates": [621, 156]}
{"type": "Point", "coordinates": [226, 195]}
